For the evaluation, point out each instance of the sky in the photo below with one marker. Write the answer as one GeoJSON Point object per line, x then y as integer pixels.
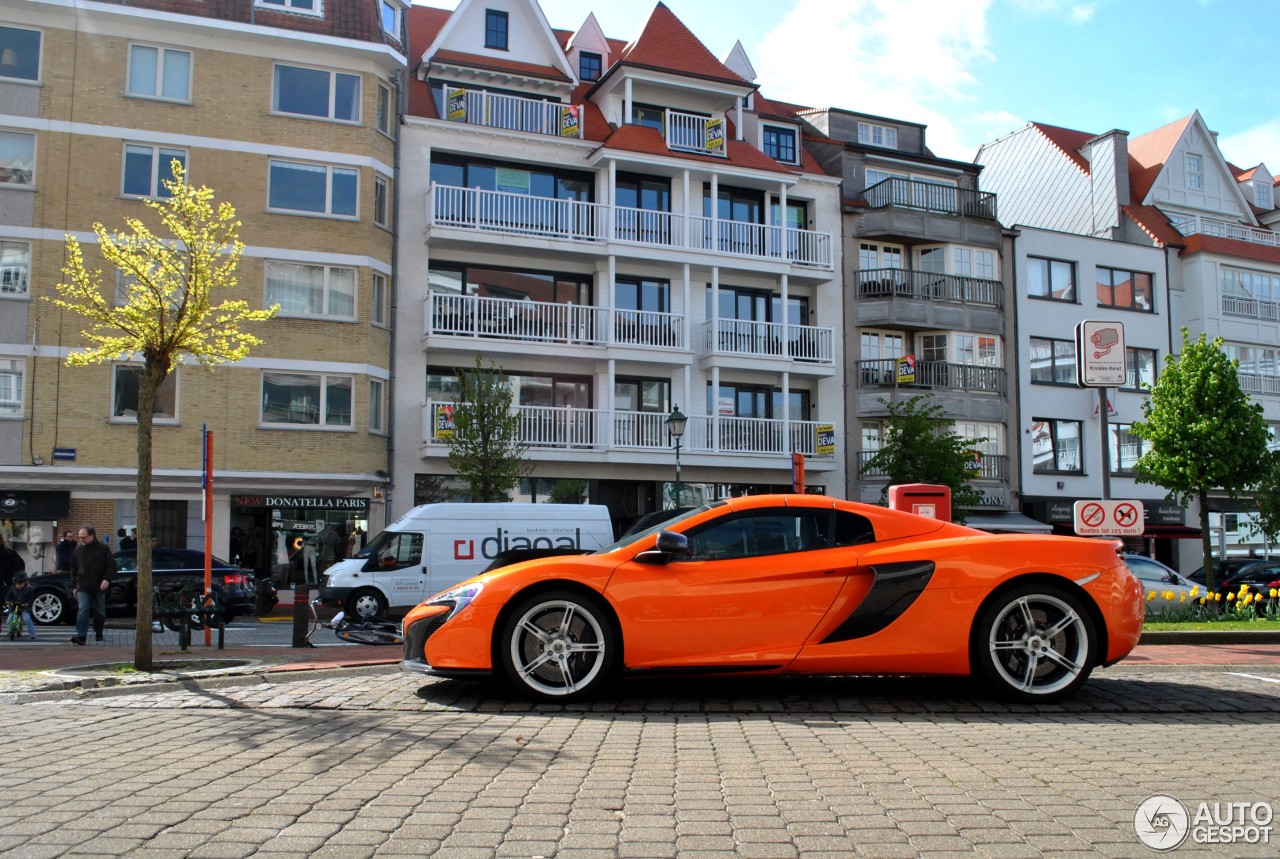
{"type": "Point", "coordinates": [975, 70]}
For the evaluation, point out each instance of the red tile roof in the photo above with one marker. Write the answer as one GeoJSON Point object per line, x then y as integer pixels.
{"type": "Point", "coordinates": [1150, 151]}
{"type": "Point", "coordinates": [497, 64]}
{"type": "Point", "coordinates": [1154, 223]}
{"type": "Point", "coordinates": [665, 44]}
{"type": "Point", "coordinates": [1200, 243]}
{"type": "Point", "coordinates": [1067, 140]}
{"type": "Point", "coordinates": [647, 141]}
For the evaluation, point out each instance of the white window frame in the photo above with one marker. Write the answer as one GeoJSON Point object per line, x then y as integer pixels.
{"type": "Point", "coordinates": [39, 62]}
{"type": "Point", "coordinates": [1264, 196]}
{"type": "Point", "coordinates": [12, 390]}
{"type": "Point", "coordinates": [331, 115]}
{"type": "Point", "coordinates": [157, 190]}
{"type": "Point", "coordinates": [15, 279]}
{"type": "Point", "coordinates": [381, 191]}
{"type": "Point", "coordinates": [385, 6]}
{"type": "Point", "coordinates": [322, 381]}
{"type": "Point", "coordinates": [35, 143]}
{"type": "Point", "coordinates": [327, 294]}
{"type": "Point", "coordinates": [294, 6]}
{"type": "Point", "coordinates": [871, 134]}
{"type": "Point", "coordinates": [1195, 171]}
{"type": "Point", "coordinates": [384, 116]}
{"type": "Point", "coordinates": [329, 171]}
{"type": "Point", "coordinates": [378, 299]}
{"type": "Point", "coordinates": [168, 388]}
{"type": "Point", "coordinates": [161, 53]}
{"type": "Point", "coordinates": [377, 406]}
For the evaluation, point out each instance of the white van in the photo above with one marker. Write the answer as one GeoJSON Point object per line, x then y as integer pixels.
{"type": "Point", "coordinates": [434, 546]}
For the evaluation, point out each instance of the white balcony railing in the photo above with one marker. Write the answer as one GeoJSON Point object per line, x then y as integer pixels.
{"type": "Point", "coordinates": [510, 213]}
{"type": "Point", "coordinates": [768, 339]}
{"type": "Point", "coordinates": [513, 113]}
{"type": "Point", "coordinates": [454, 315]}
{"type": "Point", "coordinates": [696, 133]}
{"type": "Point", "coordinates": [551, 427]}
{"type": "Point", "coordinates": [1251, 307]}
{"type": "Point", "coordinates": [1193, 224]}
{"type": "Point", "coordinates": [1259, 383]}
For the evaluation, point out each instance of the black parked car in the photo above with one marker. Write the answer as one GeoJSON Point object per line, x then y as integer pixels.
{"type": "Point", "coordinates": [172, 569]}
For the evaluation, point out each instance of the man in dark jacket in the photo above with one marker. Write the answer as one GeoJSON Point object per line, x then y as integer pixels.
{"type": "Point", "coordinates": [92, 569]}
{"type": "Point", "coordinates": [11, 564]}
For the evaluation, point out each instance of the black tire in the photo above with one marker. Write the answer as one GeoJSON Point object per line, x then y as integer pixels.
{"type": "Point", "coordinates": [366, 604]}
{"type": "Point", "coordinates": [51, 607]}
{"type": "Point", "coordinates": [1034, 643]}
{"type": "Point", "coordinates": [558, 646]}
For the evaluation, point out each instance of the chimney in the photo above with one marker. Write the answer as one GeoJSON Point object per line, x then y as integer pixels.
{"type": "Point", "coordinates": [1108, 157]}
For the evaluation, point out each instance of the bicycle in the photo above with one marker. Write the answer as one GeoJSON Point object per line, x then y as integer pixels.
{"type": "Point", "coordinates": [366, 632]}
{"type": "Point", "coordinates": [14, 625]}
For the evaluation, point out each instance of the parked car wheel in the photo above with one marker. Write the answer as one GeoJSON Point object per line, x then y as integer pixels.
{"type": "Point", "coordinates": [366, 604]}
{"type": "Point", "coordinates": [1035, 643]}
{"type": "Point", "coordinates": [558, 646]}
{"type": "Point", "coordinates": [51, 607]}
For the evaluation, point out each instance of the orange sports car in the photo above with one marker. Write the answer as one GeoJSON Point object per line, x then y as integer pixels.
{"type": "Point", "coordinates": [791, 584]}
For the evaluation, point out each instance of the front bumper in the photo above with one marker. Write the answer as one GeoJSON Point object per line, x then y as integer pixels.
{"type": "Point", "coordinates": [334, 597]}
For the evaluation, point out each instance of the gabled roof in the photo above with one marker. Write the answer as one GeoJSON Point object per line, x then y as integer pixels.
{"type": "Point", "coordinates": [554, 50]}
{"type": "Point", "coordinates": [665, 44]}
{"type": "Point", "coordinates": [1150, 151]}
{"type": "Point", "coordinates": [1154, 223]}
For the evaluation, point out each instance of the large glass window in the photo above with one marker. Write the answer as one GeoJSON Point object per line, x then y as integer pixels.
{"type": "Point", "coordinates": [642, 306]}
{"type": "Point", "coordinates": [511, 179]}
{"type": "Point", "coordinates": [495, 29]}
{"type": "Point", "coordinates": [10, 387]}
{"type": "Point", "coordinates": [146, 168]}
{"type": "Point", "coordinates": [316, 92]}
{"type": "Point", "coordinates": [1238, 283]}
{"type": "Point", "coordinates": [301, 399]}
{"type": "Point", "coordinates": [124, 396]}
{"type": "Point", "coordinates": [313, 188]}
{"type": "Point", "coordinates": [1053, 362]}
{"type": "Point", "coordinates": [1126, 448]}
{"type": "Point", "coordinates": [19, 54]}
{"type": "Point", "coordinates": [1051, 278]}
{"type": "Point", "coordinates": [974, 262]}
{"type": "Point", "coordinates": [1055, 446]}
{"type": "Point", "coordinates": [15, 268]}
{"type": "Point", "coordinates": [511, 283]}
{"type": "Point", "coordinates": [780, 143]}
{"type": "Point", "coordinates": [312, 290]}
{"type": "Point", "coordinates": [17, 158]}
{"type": "Point", "coordinates": [642, 206]}
{"type": "Point", "coordinates": [1127, 290]}
{"type": "Point", "coordinates": [159, 73]}
{"type": "Point", "coordinates": [590, 66]}
{"type": "Point", "coordinates": [1139, 369]}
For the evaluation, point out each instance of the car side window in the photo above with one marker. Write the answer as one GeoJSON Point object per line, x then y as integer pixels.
{"type": "Point", "coordinates": [758, 533]}
{"type": "Point", "coordinates": [1146, 571]}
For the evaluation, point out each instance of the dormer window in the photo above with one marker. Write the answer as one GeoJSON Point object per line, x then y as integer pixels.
{"type": "Point", "coordinates": [309, 7]}
{"type": "Point", "coordinates": [780, 143]}
{"type": "Point", "coordinates": [589, 66]}
{"type": "Point", "coordinates": [877, 135]}
{"type": "Point", "coordinates": [1264, 197]}
{"type": "Point", "coordinates": [391, 18]}
{"type": "Point", "coordinates": [495, 29]}
{"type": "Point", "coordinates": [1195, 172]}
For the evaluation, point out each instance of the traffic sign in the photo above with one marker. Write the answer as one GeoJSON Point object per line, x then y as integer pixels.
{"type": "Point", "coordinates": [1109, 518]}
{"type": "Point", "coordinates": [1100, 354]}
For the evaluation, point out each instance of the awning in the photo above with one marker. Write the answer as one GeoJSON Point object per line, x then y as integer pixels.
{"type": "Point", "coordinates": [1005, 522]}
{"type": "Point", "coordinates": [1172, 532]}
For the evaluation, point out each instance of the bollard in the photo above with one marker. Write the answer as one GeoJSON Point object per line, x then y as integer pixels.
{"type": "Point", "coordinates": [301, 615]}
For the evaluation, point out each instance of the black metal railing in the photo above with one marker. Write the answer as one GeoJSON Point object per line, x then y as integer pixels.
{"type": "Point", "coordinates": [927, 286]}
{"type": "Point", "coordinates": [983, 467]}
{"type": "Point", "coordinates": [885, 372]}
{"type": "Point", "coordinates": [930, 197]}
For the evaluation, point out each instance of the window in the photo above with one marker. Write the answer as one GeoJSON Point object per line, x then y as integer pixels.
{"type": "Point", "coordinates": [391, 18]}
{"type": "Point", "coordinates": [970, 262]}
{"type": "Point", "coordinates": [298, 399]}
{"type": "Point", "coordinates": [1053, 362]}
{"type": "Point", "coordinates": [19, 54]}
{"type": "Point", "coordinates": [1263, 196]}
{"type": "Point", "coordinates": [1195, 172]}
{"type": "Point", "coordinates": [933, 260]}
{"type": "Point", "coordinates": [315, 92]}
{"type": "Point", "coordinates": [589, 66]}
{"type": "Point", "coordinates": [776, 532]}
{"type": "Point", "coordinates": [377, 408]}
{"type": "Point", "coordinates": [17, 158]}
{"type": "Point", "coordinates": [10, 388]}
{"type": "Point", "coordinates": [495, 29]}
{"type": "Point", "coordinates": [159, 73]}
{"type": "Point", "coordinates": [386, 109]}
{"type": "Point", "coordinates": [642, 306]}
{"type": "Point", "coordinates": [1126, 448]}
{"type": "Point", "coordinates": [635, 197]}
{"type": "Point", "coordinates": [312, 290]}
{"type": "Point", "coordinates": [379, 310]}
{"type": "Point", "coordinates": [313, 188]}
{"type": "Point", "coordinates": [15, 268]}
{"type": "Point", "coordinates": [380, 201]}
{"type": "Point", "coordinates": [147, 167]}
{"type": "Point", "coordinates": [1257, 366]}
{"type": "Point", "coordinates": [124, 396]}
{"type": "Point", "coordinates": [1127, 290]}
{"type": "Point", "coordinates": [1055, 446]}
{"type": "Point", "coordinates": [780, 144]}
{"type": "Point", "coordinates": [1139, 369]}
{"type": "Point", "coordinates": [1051, 278]}
{"type": "Point", "coordinates": [875, 176]}
{"type": "Point", "coordinates": [311, 7]}
{"type": "Point", "coordinates": [877, 135]}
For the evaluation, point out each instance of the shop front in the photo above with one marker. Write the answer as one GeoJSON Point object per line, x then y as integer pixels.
{"type": "Point", "coordinates": [30, 521]}
{"type": "Point", "coordinates": [270, 533]}
{"type": "Point", "coordinates": [1164, 523]}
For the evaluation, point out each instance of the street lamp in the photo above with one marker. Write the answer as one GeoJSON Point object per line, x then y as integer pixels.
{"type": "Point", "coordinates": [675, 425]}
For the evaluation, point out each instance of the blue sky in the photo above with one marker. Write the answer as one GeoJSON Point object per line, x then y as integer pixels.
{"type": "Point", "coordinates": [973, 70]}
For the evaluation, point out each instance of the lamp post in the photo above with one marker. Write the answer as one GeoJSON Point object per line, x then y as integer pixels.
{"type": "Point", "coordinates": [675, 426]}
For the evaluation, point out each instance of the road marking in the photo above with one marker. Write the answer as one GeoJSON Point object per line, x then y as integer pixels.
{"type": "Point", "coordinates": [1256, 677]}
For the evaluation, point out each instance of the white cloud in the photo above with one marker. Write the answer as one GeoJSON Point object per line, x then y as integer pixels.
{"type": "Point", "coordinates": [1253, 146]}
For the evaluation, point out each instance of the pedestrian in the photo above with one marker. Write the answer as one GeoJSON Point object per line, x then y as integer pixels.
{"type": "Point", "coordinates": [19, 599]}
{"type": "Point", "coordinates": [63, 552]}
{"type": "Point", "coordinates": [11, 564]}
{"type": "Point", "coordinates": [92, 570]}
{"type": "Point", "coordinates": [128, 541]}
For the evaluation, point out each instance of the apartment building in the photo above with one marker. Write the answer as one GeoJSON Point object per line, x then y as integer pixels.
{"type": "Point", "coordinates": [925, 300]}
{"type": "Point", "coordinates": [626, 230]}
{"type": "Point", "coordinates": [1172, 235]}
{"type": "Point", "coordinates": [287, 108]}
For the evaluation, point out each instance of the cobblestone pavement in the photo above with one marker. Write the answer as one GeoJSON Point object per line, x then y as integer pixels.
{"type": "Point", "coordinates": [381, 763]}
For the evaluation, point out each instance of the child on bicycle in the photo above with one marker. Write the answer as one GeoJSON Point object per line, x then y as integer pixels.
{"type": "Point", "coordinates": [19, 600]}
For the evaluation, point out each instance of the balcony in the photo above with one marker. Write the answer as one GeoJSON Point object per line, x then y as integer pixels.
{"type": "Point", "coordinates": [691, 132]}
{"type": "Point", "coordinates": [512, 113]}
{"type": "Point", "coordinates": [883, 373]}
{"type": "Point", "coordinates": [930, 197]}
{"type": "Point", "coordinates": [768, 340]}
{"type": "Point", "coordinates": [926, 286]}
{"type": "Point", "coordinates": [1259, 383]}
{"type": "Point", "coordinates": [1253, 308]}
{"type": "Point", "coordinates": [1194, 224]}
{"type": "Point", "coordinates": [547, 322]}
{"type": "Point", "coordinates": [511, 214]}
{"type": "Point", "coordinates": [602, 430]}
{"type": "Point", "coordinates": [987, 466]}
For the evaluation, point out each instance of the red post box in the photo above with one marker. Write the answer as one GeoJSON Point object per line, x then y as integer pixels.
{"type": "Point", "coordinates": [923, 499]}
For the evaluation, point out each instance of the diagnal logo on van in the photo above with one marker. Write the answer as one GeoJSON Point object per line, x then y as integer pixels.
{"type": "Point", "coordinates": [491, 547]}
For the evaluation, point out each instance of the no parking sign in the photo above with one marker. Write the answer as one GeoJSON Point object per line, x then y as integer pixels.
{"type": "Point", "coordinates": [1109, 518]}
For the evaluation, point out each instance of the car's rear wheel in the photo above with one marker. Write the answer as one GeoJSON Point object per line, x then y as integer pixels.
{"type": "Point", "coordinates": [558, 646]}
{"type": "Point", "coordinates": [1035, 643]}
{"type": "Point", "coordinates": [366, 604]}
{"type": "Point", "coordinates": [50, 607]}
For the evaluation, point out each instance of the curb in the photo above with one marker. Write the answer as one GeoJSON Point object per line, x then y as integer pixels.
{"type": "Point", "coordinates": [1209, 637]}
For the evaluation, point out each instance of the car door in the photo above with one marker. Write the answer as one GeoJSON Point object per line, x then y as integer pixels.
{"type": "Point", "coordinates": [752, 588]}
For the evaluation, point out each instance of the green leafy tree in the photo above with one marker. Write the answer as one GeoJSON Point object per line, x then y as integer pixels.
{"type": "Point", "coordinates": [1205, 432]}
{"type": "Point", "coordinates": [1266, 499]}
{"type": "Point", "coordinates": [485, 447]}
{"type": "Point", "coordinates": [167, 315]}
{"type": "Point", "coordinates": [918, 446]}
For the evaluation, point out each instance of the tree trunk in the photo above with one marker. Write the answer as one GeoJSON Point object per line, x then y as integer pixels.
{"type": "Point", "coordinates": [152, 375]}
{"type": "Point", "coordinates": [1206, 544]}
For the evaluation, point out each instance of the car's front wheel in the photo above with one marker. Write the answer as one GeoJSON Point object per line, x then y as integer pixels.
{"type": "Point", "coordinates": [558, 646]}
{"type": "Point", "coordinates": [50, 607]}
{"type": "Point", "coordinates": [366, 604]}
{"type": "Point", "coordinates": [1035, 643]}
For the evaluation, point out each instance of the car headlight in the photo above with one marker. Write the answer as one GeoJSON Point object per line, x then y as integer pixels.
{"type": "Point", "coordinates": [459, 597]}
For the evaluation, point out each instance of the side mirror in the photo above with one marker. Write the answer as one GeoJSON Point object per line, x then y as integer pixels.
{"type": "Point", "coordinates": [669, 545]}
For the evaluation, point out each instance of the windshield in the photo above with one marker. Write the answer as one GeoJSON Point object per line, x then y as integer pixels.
{"type": "Point", "coordinates": [630, 538]}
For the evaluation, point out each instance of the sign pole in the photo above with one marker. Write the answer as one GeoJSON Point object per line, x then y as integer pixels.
{"type": "Point", "coordinates": [208, 530]}
{"type": "Point", "coordinates": [1106, 444]}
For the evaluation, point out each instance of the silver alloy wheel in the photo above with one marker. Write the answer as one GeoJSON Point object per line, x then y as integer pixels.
{"type": "Point", "coordinates": [47, 607]}
{"type": "Point", "coordinates": [558, 648]}
{"type": "Point", "coordinates": [1039, 644]}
